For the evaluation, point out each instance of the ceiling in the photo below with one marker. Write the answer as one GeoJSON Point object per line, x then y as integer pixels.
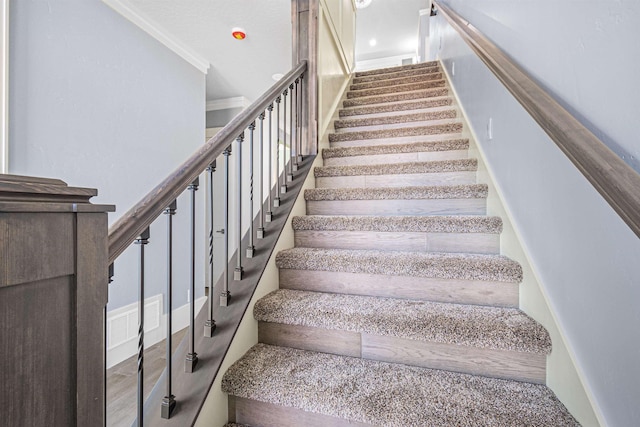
{"type": "Point", "coordinates": [245, 67]}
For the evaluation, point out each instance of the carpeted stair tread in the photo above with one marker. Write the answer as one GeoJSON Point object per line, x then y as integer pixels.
{"type": "Point", "coordinates": [468, 325]}
{"type": "Point", "coordinates": [398, 168]}
{"type": "Point", "coordinates": [235, 425]}
{"type": "Point", "coordinates": [396, 81]}
{"type": "Point", "coordinates": [388, 70]}
{"type": "Point", "coordinates": [388, 394]}
{"type": "Point", "coordinates": [407, 87]}
{"type": "Point", "coordinates": [396, 74]}
{"type": "Point", "coordinates": [396, 118]}
{"type": "Point", "coordinates": [461, 266]}
{"type": "Point", "coordinates": [396, 97]}
{"type": "Point", "coordinates": [417, 224]}
{"type": "Point", "coordinates": [436, 129]}
{"type": "Point", "coordinates": [413, 147]}
{"type": "Point", "coordinates": [396, 106]}
{"type": "Point", "coordinates": [469, 191]}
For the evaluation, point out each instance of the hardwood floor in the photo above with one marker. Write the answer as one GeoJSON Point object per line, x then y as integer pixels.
{"type": "Point", "coordinates": [122, 382]}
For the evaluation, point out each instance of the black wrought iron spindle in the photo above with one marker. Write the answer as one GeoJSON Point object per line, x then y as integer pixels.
{"type": "Point", "coordinates": [268, 216]}
{"type": "Point", "coordinates": [298, 158]}
{"type": "Point", "coordinates": [238, 271]}
{"type": "Point", "coordinates": [276, 200]}
{"type": "Point", "coordinates": [168, 401]}
{"type": "Point", "coordinates": [143, 240]}
{"type": "Point", "coordinates": [300, 122]}
{"type": "Point", "coordinates": [283, 185]}
{"type": "Point", "coordinates": [192, 357]}
{"type": "Point", "coordinates": [260, 231]}
{"type": "Point", "coordinates": [251, 246]}
{"type": "Point", "coordinates": [291, 135]}
{"type": "Point", "coordinates": [225, 296]}
{"type": "Point", "coordinates": [210, 323]}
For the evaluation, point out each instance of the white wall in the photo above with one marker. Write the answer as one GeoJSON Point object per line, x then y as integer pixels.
{"type": "Point", "coordinates": [583, 255]}
{"type": "Point", "coordinates": [97, 102]}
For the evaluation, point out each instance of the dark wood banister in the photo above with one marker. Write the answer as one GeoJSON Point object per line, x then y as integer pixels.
{"type": "Point", "coordinates": [617, 182]}
{"type": "Point", "coordinates": [124, 231]}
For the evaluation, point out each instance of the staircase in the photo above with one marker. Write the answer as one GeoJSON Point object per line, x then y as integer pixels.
{"type": "Point", "coordinates": [395, 306]}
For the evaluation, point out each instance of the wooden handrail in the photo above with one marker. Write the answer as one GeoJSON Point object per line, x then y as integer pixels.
{"type": "Point", "coordinates": [140, 216]}
{"type": "Point", "coordinates": [617, 182]}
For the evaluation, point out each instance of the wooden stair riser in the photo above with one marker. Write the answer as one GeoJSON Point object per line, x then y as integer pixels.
{"type": "Point", "coordinates": [380, 159]}
{"type": "Point", "coordinates": [378, 109]}
{"type": "Point", "coordinates": [480, 243]}
{"type": "Point", "coordinates": [382, 71]}
{"type": "Point", "coordinates": [512, 365]}
{"type": "Point", "coordinates": [457, 291]}
{"type": "Point", "coordinates": [396, 97]}
{"type": "Point", "coordinates": [396, 89]}
{"type": "Point", "coordinates": [396, 81]}
{"type": "Point", "coordinates": [397, 180]}
{"type": "Point", "coordinates": [257, 414]}
{"type": "Point", "coordinates": [394, 121]}
{"type": "Point", "coordinates": [397, 75]}
{"type": "Point", "coordinates": [398, 207]}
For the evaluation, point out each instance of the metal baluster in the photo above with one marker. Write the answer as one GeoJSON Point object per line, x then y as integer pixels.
{"type": "Point", "coordinates": [276, 200]}
{"type": "Point", "coordinates": [142, 241]}
{"type": "Point", "coordinates": [210, 323]}
{"type": "Point", "coordinates": [291, 146]}
{"type": "Point", "coordinates": [192, 357]}
{"type": "Point", "coordinates": [250, 247]}
{"type": "Point", "coordinates": [295, 153]}
{"type": "Point", "coordinates": [300, 158]}
{"type": "Point", "coordinates": [268, 216]}
{"type": "Point", "coordinates": [238, 272]}
{"type": "Point", "coordinates": [283, 187]}
{"type": "Point", "coordinates": [225, 296]}
{"type": "Point", "coordinates": [260, 232]}
{"type": "Point", "coordinates": [169, 401]}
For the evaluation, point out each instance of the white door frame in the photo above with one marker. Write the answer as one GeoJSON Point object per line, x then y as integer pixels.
{"type": "Point", "coordinates": [4, 86]}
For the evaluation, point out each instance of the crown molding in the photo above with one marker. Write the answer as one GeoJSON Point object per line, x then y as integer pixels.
{"type": "Point", "coordinates": [226, 103]}
{"type": "Point", "coordinates": [133, 14]}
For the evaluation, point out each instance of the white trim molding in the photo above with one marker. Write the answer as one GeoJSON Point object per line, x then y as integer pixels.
{"type": "Point", "coordinates": [226, 103]}
{"type": "Point", "coordinates": [133, 14]}
{"type": "Point", "coordinates": [4, 86]}
{"type": "Point", "coordinates": [122, 326]}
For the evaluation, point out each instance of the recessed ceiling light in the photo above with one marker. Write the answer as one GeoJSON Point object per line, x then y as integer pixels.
{"type": "Point", "coordinates": [373, 42]}
{"type": "Point", "coordinates": [361, 4]}
{"type": "Point", "coordinates": [238, 33]}
{"type": "Point", "coordinates": [277, 76]}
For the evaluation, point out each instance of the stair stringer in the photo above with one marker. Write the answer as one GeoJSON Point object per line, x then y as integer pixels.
{"type": "Point", "coordinates": [563, 374]}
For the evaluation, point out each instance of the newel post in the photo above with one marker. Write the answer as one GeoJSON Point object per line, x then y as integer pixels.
{"type": "Point", "coordinates": [53, 293]}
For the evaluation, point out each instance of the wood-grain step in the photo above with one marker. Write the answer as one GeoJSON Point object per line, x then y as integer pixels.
{"type": "Point", "coordinates": [280, 386]}
{"type": "Point", "coordinates": [407, 87]}
{"type": "Point", "coordinates": [396, 69]}
{"type": "Point", "coordinates": [397, 81]}
{"type": "Point", "coordinates": [489, 341]}
{"type": "Point", "coordinates": [397, 74]}
{"type": "Point", "coordinates": [442, 172]}
{"type": "Point", "coordinates": [395, 119]}
{"type": "Point", "coordinates": [443, 149]}
{"type": "Point", "coordinates": [372, 109]}
{"type": "Point", "coordinates": [396, 97]}
{"type": "Point", "coordinates": [470, 234]}
{"type": "Point", "coordinates": [433, 200]}
{"type": "Point", "coordinates": [444, 128]}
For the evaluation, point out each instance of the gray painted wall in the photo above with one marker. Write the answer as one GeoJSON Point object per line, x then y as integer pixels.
{"type": "Point", "coordinates": [97, 102]}
{"type": "Point", "coordinates": [585, 257]}
{"type": "Point", "coordinates": [219, 118]}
